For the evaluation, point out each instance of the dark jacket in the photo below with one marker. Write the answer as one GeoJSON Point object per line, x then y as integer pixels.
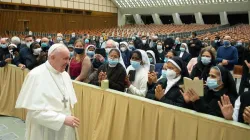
{"type": "Point", "coordinates": [126, 57]}
{"type": "Point", "coordinates": [28, 59]}
{"type": "Point", "coordinates": [244, 102]}
{"type": "Point", "coordinates": [116, 76]}
{"type": "Point", "coordinates": [240, 50]}
{"type": "Point", "coordinates": [137, 43]}
{"type": "Point", "coordinates": [177, 47]}
{"type": "Point", "coordinates": [186, 57]}
{"type": "Point", "coordinates": [173, 96]}
{"type": "Point", "coordinates": [201, 71]}
{"type": "Point", "coordinates": [161, 57]}
{"type": "Point", "coordinates": [170, 43]}
{"type": "Point", "coordinates": [72, 40]}
{"type": "Point", "coordinates": [209, 102]}
{"type": "Point", "coordinates": [4, 54]}
{"type": "Point", "coordinates": [246, 75]}
{"type": "Point", "coordinates": [195, 51]}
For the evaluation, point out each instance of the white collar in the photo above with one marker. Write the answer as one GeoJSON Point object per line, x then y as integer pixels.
{"type": "Point", "coordinates": [171, 83]}
{"type": "Point", "coordinates": [50, 68]}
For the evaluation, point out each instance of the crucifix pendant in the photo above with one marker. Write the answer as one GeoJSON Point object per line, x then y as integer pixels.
{"type": "Point", "coordinates": [65, 102]}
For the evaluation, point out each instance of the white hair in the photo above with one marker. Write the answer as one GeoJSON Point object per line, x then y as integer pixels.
{"type": "Point", "coordinates": [56, 47]}
{"type": "Point", "coordinates": [15, 39]}
{"type": "Point", "coordinates": [111, 41]}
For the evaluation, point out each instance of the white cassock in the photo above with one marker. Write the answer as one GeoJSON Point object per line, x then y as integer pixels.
{"type": "Point", "coordinates": [41, 96]}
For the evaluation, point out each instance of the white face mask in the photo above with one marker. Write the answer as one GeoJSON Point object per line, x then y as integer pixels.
{"type": "Point", "coordinates": [159, 47]}
{"type": "Point", "coordinates": [59, 39]}
{"type": "Point", "coordinates": [108, 50]}
{"type": "Point", "coordinates": [28, 44]}
{"type": "Point", "coordinates": [170, 74]}
{"type": "Point", "coordinates": [144, 41]}
{"type": "Point", "coordinates": [37, 51]}
{"type": "Point", "coordinates": [123, 49]}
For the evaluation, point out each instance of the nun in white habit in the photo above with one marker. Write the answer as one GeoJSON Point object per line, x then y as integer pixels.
{"type": "Point", "coordinates": [140, 66]}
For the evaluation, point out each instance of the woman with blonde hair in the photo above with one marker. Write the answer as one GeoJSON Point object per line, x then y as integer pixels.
{"type": "Point", "coordinates": [80, 65]}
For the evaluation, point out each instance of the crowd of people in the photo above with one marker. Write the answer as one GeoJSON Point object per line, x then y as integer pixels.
{"type": "Point", "coordinates": [150, 68]}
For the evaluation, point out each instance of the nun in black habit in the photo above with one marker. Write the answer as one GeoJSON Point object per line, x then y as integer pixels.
{"type": "Point", "coordinates": [167, 89]}
{"type": "Point", "coordinates": [220, 82]}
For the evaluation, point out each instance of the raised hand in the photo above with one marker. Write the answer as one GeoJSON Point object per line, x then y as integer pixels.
{"type": "Point", "coordinates": [246, 115]}
{"type": "Point", "coordinates": [226, 107]}
{"type": "Point", "coordinates": [185, 96]}
{"type": "Point", "coordinates": [152, 78]}
{"type": "Point", "coordinates": [159, 92]}
{"type": "Point", "coordinates": [193, 95]}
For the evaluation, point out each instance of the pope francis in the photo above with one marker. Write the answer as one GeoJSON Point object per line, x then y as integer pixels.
{"type": "Point", "coordinates": [48, 95]}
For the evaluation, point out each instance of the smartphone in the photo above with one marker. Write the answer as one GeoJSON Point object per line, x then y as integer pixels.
{"type": "Point", "coordinates": [101, 51]}
{"type": "Point", "coordinates": [152, 68]}
{"type": "Point", "coordinates": [131, 75]}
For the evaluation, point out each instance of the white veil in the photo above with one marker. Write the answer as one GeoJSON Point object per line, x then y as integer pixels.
{"type": "Point", "coordinates": [145, 59]}
{"type": "Point", "coordinates": [186, 46]}
{"type": "Point", "coordinates": [153, 54]}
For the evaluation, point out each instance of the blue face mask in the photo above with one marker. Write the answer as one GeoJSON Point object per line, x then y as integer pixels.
{"type": "Point", "coordinates": [133, 38]}
{"type": "Point", "coordinates": [177, 42]}
{"type": "Point", "coordinates": [131, 47]}
{"type": "Point", "coordinates": [212, 83]}
{"type": "Point", "coordinates": [90, 53]}
{"type": "Point", "coordinates": [182, 49]}
{"type": "Point", "coordinates": [164, 73]}
{"type": "Point", "coordinates": [150, 60]}
{"type": "Point", "coordinates": [205, 60]}
{"type": "Point", "coordinates": [113, 62]}
{"type": "Point", "coordinates": [4, 46]}
{"type": "Point", "coordinates": [86, 41]}
{"type": "Point", "coordinates": [44, 45]}
{"type": "Point", "coordinates": [165, 60]}
{"type": "Point", "coordinates": [79, 50]}
{"type": "Point", "coordinates": [71, 54]}
{"type": "Point", "coordinates": [226, 43]}
{"type": "Point", "coordinates": [135, 64]}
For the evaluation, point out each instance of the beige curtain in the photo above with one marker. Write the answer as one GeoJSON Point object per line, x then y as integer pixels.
{"type": "Point", "coordinates": [112, 115]}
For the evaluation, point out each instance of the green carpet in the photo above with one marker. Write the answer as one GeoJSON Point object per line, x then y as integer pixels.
{"type": "Point", "coordinates": [11, 128]}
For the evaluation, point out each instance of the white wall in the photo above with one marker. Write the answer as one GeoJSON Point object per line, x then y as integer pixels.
{"type": "Point", "coordinates": [190, 9]}
{"type": "Point", "coordinates": [93, 5]}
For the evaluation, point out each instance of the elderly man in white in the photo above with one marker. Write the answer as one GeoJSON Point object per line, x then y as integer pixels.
{"type": "Point", "coordinates": [48, 95]}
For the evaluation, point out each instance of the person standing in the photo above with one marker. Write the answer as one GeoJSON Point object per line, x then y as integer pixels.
{"type": "Point", "coordinates": [48, 95]}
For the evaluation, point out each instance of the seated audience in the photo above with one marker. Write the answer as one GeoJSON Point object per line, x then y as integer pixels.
{"type": "Point", "coordinates": [126, 53]}
{"type": "Point", "coordinates": [184, 53]}
{"type": "Point", "coordinates": [137, 82]}
{"type": "Point", "coordinates": [219, 82]}
{"type": "Point", "coordinates": [206, 60]}
{"type": "Point", "coordinates": [151, 57]}
{"type": "Point", "coordinates": [112, 71]}
{"type": "Point", "coordinates": [167, 89]}
{"type": "Point", "coordinates": [80, 65]}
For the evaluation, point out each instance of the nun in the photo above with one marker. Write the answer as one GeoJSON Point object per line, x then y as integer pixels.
{"type": "Point", "coordinates": [167, 89]}
{"type": "Point", "coordinates": [113, 71]}
{"type": "Point", "coordinates": [90, 51]}
{"type": "Point", "coordinates": [137, 80]}
{"type": "Point", "coordinates": [184, 53]}
{"type": "Point", "coordinates": [151, 57]}
{"type": "Point", "coordinates": [126, 53]}
{"type": "Point", "coordinates": [220, 82]}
